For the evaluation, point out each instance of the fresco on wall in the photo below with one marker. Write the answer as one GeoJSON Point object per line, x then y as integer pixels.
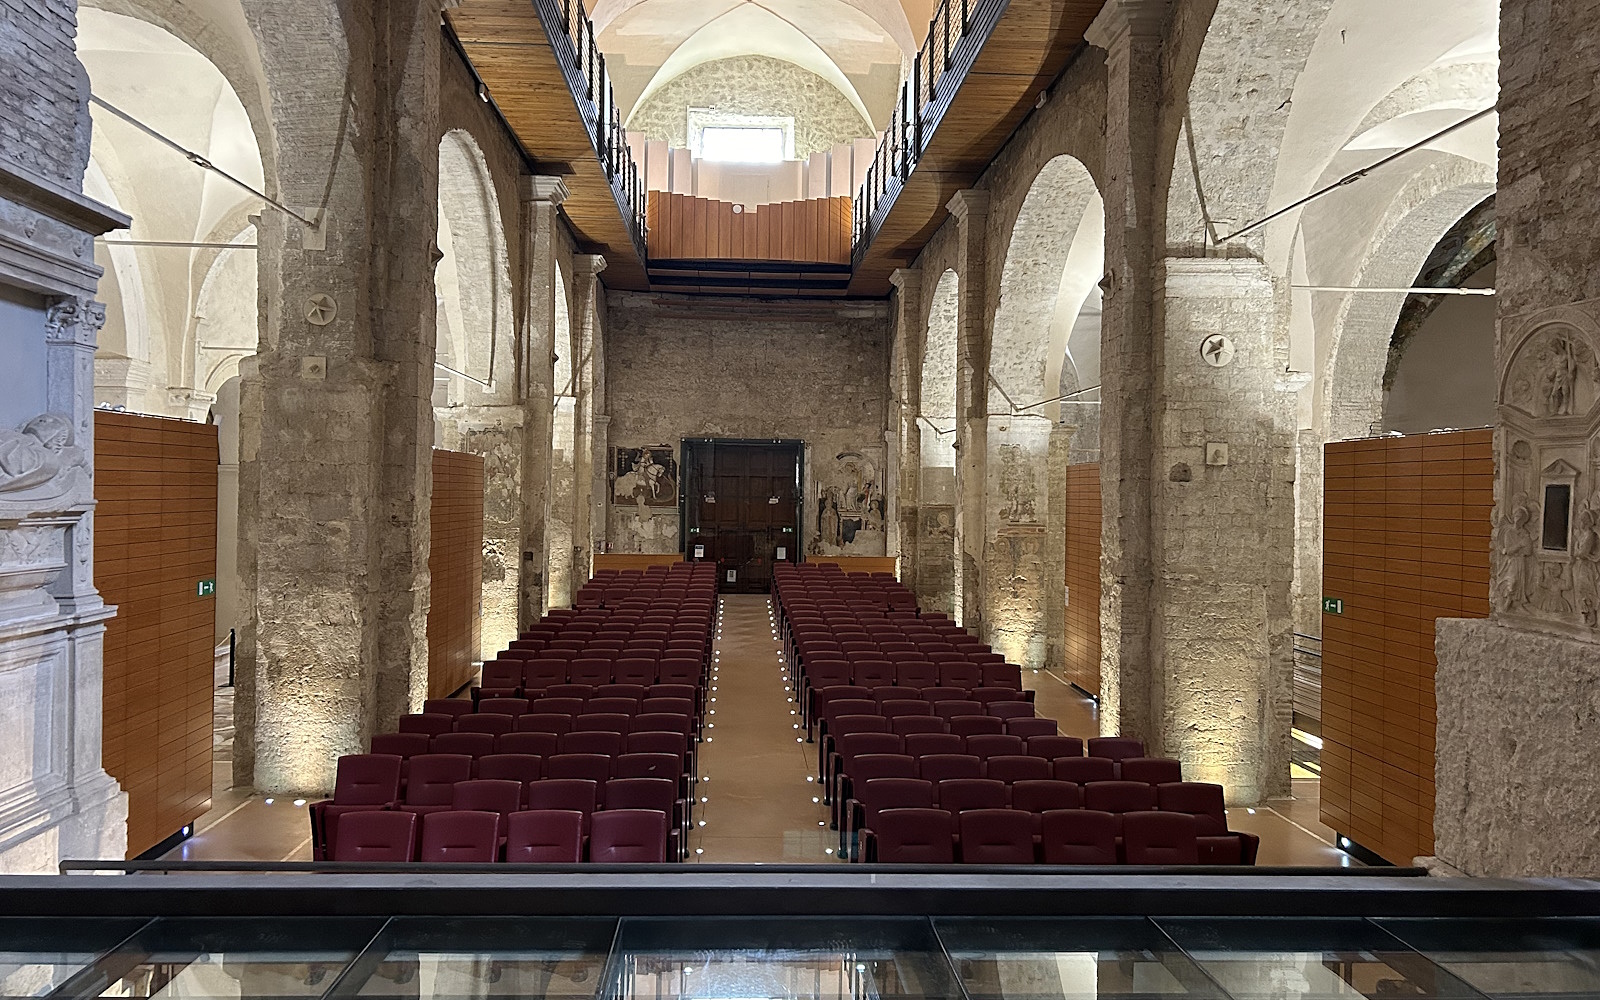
{"type": "Point", "coordinates": [850, 507]}
{"type": "Point", "coordinates": [647, 476]}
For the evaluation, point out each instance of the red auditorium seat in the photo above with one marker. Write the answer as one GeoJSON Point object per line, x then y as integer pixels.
{"type": "Point", "coordinates": [502, 706]}
{"type": "Point", "coordinates": [633, 691]}
{"type": "Point", "coordinates": [608, 744]}
{"type": "Point", "coordinates": [877, 794]}
{"type": "Point", "coordinates": [432, 725]}
{"type": "Point", "coordinates": [911, 836]}
{"type": "Point", "coordinates": [628, 836]}
{"type": "Point", "coordinates": [994, 745]}
{"type": "Point", "coordinates": [446, 706]}
{"type": "Point", "coordinates": [961, 675]}
{"type": "Point", "coordinates": [375, 835]}
{"type": "Point", "coordinates": [1204, 801]}
{"type": "Point", "coordinates": [488, 795]}
{"type": "Point", "coordinates": [1009, 710]}
{"type": "Point", "coordinates": [1040, 797]}
{"type": "Point", "coordinates": [943, 766]}
{"type": "Point", "coordinates": [402, 745]}
{"type": "Point", "coordinates": [953, 709]}
{"type": "Point", "coordinates": [612, 706]}
{"type": "Point", "coordinates": [537, 744]}
{"type": "Point", "coordinates": [906, 725]}
{"type": "Point", "coordinates": [659, 794]}
{"type": "Point", "coordinates": [1119, 798]}
{"type": "Point", "coordinates": [519, 767]}
{"type": "Point", "coordinates": [470, 744]}
{"type": "Point", "coordinates": [1150, 770]}
{"type": "Point", "coordinates": [361, 782]}
{"type": "Point", "coordinates": [977, 725]}
{"type": "Point", "coordinates": [460, 836]}
{"type": "Point", "coordinates": [1083, 770]}
{"type": "Point", "coordinates": [1007, 675]}
{"type": "Point", "coordinates": [557, 706]}
{"type": "Point", "coordinates": [1016, 767]}
{"type": "Point", "coordinates": [1051, 747]}
{"type": "Point", "coordinates": [1078, 837]}
{"type": "Point", "coordinates": [588, 766]}
{"type": "Point", "coordinates": [545, 836]}
{"type": "Point", "coordinates": [928, 744]}
{"type": "Point", "coordinates": [863, 768]}
{"type": "Point", "coordinates": [582, 692]}
{"type": "Point", "coordinates": [1115, 747]}
{"type": "Point", "coordinates": [996, 837]}
{"type": "Point", "coordinates": [1160, 838]}
{"type": "Point", "coordinates": [957, 795]}
{"type": "Point", "coordinates": [580, 795]}
{"type": "Point", "coordinates": [915, 674]}
{"type": "Point", "coordinates": [494, 725]}
{"type": "Point", "coordinates": [662, 722]}
{"type": "Point", "coordinates": [544, 722]}
{"type": "Point", "coordinates": [433, 781]}
{"type": "Point", "coordinates": [906, 707]}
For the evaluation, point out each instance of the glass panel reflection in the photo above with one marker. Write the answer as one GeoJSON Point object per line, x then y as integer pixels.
{"type": "Point", "coordinates": [1070, 959]}
{"type": "Point", "coordinates": [453, 959]}
{"type": "Point", "coordinates": [1512, 958]}
{"type": "Point", "coordinates": [37, 955]}
{"type": "Point", "coordinates": [1309, 959]}
{"type": "Point", "coordinates": [797, 959]}
{"type": "Point", "coordinates": [280, 957]}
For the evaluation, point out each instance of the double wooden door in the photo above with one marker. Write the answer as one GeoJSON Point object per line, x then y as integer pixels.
{"type": "Point", "coordinates": [742, 508]}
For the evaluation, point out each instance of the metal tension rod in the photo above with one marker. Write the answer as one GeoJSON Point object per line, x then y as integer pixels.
{"type": "Point", "coordinates": [1414, 290]}
{"type": "Point", "coordinates": [177, 243]}
{"type": "Point", "coordinates": [199, 160]}
{"type": "Point", "coordinates": [1358, 175]}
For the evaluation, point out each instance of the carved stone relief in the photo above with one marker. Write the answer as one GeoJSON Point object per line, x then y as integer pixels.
{"type": "Point", "coordinates": [42, 469]}
{"type": "Point", "coordinates": [1018, 485]}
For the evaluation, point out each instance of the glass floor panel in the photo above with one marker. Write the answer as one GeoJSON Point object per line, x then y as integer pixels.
{"type": "Point", "coordinates": [37, 955]}
{"type": "Point", "coordinates": [1071, 959]}
{"type": "Point", "coordinates": [781, 959]}
{"type": "Point", "coordinates": [1261, 958]}
{"type": "Point", "coordinates": [459, 958]}
{"type": "Point", "coordinates": [1511, 958]}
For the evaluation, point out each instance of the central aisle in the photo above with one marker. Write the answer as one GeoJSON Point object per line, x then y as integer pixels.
{"type": "Point", "coordinates": [754, 775]}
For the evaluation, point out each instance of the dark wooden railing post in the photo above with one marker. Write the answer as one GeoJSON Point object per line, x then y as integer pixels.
{"type": "Point", "coordinates": [944, 16]}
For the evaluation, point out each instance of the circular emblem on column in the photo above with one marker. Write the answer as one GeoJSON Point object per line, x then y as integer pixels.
{"type": "Point", "coordinates": [321, 309]}
{"type": "Point", "coordinates": [1217, 350]}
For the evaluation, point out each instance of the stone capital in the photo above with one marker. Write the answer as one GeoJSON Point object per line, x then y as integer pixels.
{"type": "Point", "coordinates": [544, 187]}
{"type": "Point", "coordinates": [1122, 19]}
{"type": "Point", "coordinates": [970, 204]}
{"type": "Point", "coordinates": [74, 321]}
{"type": "Point", "coordinates": [588, 265]}
{"type": "Point", "coordinates": [906, 279]}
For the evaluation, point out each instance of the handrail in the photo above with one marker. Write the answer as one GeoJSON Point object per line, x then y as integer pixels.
{"type": "Point", "coordinates": [956, 33]}
{"type": "Point", "coordinates": [572, 39]}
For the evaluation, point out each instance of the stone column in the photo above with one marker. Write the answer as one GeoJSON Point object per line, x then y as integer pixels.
{"type": "Point", "coordinates": [1130, 33]}
{"type": "Point", "coordinates": [905, 436]}
{"type": "Point", "coordinates": [971, 210]}
{"type": "Point", "coordinates": [337, 421]}
{"type": "Point", "coordinates": [1518, 793]}
{"type": "Point", "coordinates": [590, 403]}
{"type": "Point", "coordinates": [1057, 460]}
{"type": "Point", "coordinates": [541, 198]}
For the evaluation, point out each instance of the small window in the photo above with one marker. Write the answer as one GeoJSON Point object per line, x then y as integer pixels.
{"type": "Point", "coordinates": [742, 144]}
{"type": "Point", "coordinates": [1557, 516]}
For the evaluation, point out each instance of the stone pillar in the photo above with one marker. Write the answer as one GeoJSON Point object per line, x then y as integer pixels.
{"type": "Point", "coordinates": [1518, 793]}
{"type": "Point", "coordinates": [588, 373]}
{"type": "Point", "coordinates": [337, 421]}
{"type": "Point", "coordinates": [491, 425]}
{"type": "Point", "coordinates": [971, 210]}
{"type": "Point", "coordinates": [1222, 632]}
{"type": "Point", "coordinates": [1130, 33]}
{"type": "Point", "coordinates": [1058, 458]}
{"type": "Point", "coordinates": [541, 198]}
{"type": "Point", "coordinates": [905, 436]}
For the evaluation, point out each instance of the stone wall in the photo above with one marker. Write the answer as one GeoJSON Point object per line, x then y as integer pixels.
{"type": "Point", "coordinates": [43, 90]}
{"type": "Point", "coordinates": [753, 85]}
{"type": "Point", "coordinates": [681, 367]}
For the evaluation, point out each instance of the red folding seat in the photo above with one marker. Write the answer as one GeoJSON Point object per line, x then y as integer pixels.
{"type": "Point", "coordinates": [1083, 770]}
{"type": "Point", "coordinates": [527, 642]}
{"type": "Point", "coordinates": [993, 697]}
{"type": "Point", "coordinates": [888, 692]}
{"type": "Point", "coordinates": [1119, 797]}
{"type": "Point", "coordinates": [622, 689]}
{"type": "Point", "coordinates": [581, 692]}
{"type": "Point", "coordinates": [605, 743]}
{"type": "Point", "coordinates": [402, 745]}
{"type": "Point", "coordinates": [361, 782]}
{"type": "Point", "coordinates": [433, 781]}
{"type": "Point", "coordinates": [663, 722]}
{"type": "Point", "coordinates": [995, 837]}
{"type": "Point", "coordinates": [431, 725]}
{"type": "Point", "coordinates": [464, 835]}
{"type": "Point", "coordinates": [468, 744]}
{"type": "Point", "coordinates": [519, 767]}
{"type": "Point", "coordinates": [1204, 801]}
{"type": "Point", "coordinates": [1160, 838]}
{"type": "Point", "coordinates": [537, 744]}
{"type": "Point", "coordinates": [500, 677]}
{"type": "Point", "coordinates": [677, 671]}
{"type": "Point", "coordinates": [687, 691]}
{"type": "Point", "coordinates": [567, 641]}
{"type": "Point", "coordinates": [862, 768]}
{"type": "Point", "coordinates": [623, 836]}
{"type": "Point", "coordinates": [1051, 747]}
{"type": "Point", "coordinates": [956, 795]}
{"type": "Point", "coordinates": [447, 706]}
{"type": "Point", "coordinates": [1030, 727]}
{"type": "Point", "coordinates": [602, 722]}
{"type": "Point", "coordinates": [852, 744]}
{"type": "Point", "coordinates": [945, 766]}
{"type": "Point", "coordinates": [871, 673]}
{"type": "Point", "coordinates": [1004, 675]}
{"type": "Point", "coordinates": [544, 722]}
{"type": "Point", "coordinates": [545, 836]}
{"type": "Point", "coordinates": [927, 744]}
{"type": "Point", "coordinates": [993, 745]}
{"type": "Point", "coordinates": [588, 766]}
{"type": "Point", "coordinates": [1008, 710]}
{"type": "Point", "coordinates": [634, 669]}
{"type": "Point", "coordinates": [1115, 747]}
{"type": "Point", "coordinates": [542, 674]}
{"type": "Point", "coordinates": [875, 795]}
{"type": "Point", "coordinates": [892, 645]}
{"type": "Point", "coordinates": [1040, 797]}
{"type": "Point", "coordinates": [1013, 768]}
{"type": "Point", "coordinates": [562, 656]}
{"type": "Point", "coordinates": [976, 725]}
{"type": "Point", "coordinates": [960, 675]}
{"type": "Point", "coordinates": [660, 794]}
{"type": "Point", "coordinates": [860, 720]}
{"type": "Point", "coordinates": [910, 836]}
{"type": "Point", "coordinates": [917, 674]}
{"type": "Point", "coordinates": [900, 707]}
{"type": "Point", "coordinates": [502, 706]}
{"type": "Point", "coordinates": [1150, 770]}
{"type": "Point", "coordinates": [1078, 837]}
{"type": "Point", "coordinates": [655, 741]}
{"type": "Point", "coordinates": [494, 725]}
{"type": "Point", "coordinates": [556, 706]}
{"type": "Point", "coordinates": [957, 708]}
{"type": "Point", "coordinates": [905, 725]}
{"type": "Point", "coordinates": [854, 648]}
{"type": "Point", "coordinates": [580, 795]}
{"type": "Point", "coordinates": [612, 706]}
{"type": "Point", "coordinates": [592, 670]}
{"type": "Point", "coordinates": [674, 706]}
{"type": "Point", "coordinates": [823, 697]}
{"type": "Point", "coordinates": [488, 795]}
{"type": "Point", "coordinates": [376, 835]}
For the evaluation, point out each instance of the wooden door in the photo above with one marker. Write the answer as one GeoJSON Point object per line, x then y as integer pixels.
{"type": "Point", "coordinates": [742, 503]}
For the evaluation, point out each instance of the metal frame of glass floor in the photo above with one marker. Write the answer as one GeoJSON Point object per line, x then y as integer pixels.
{"type": "Point", "coordinates": [619, 933]}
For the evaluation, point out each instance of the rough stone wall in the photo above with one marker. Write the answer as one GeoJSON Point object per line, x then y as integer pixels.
{"type": "Point", "coordinates": [43, 91]}
{"type": "Point", "coordinates": [682, 367]}
{"type": "Point", "coordinates": [753, 85]}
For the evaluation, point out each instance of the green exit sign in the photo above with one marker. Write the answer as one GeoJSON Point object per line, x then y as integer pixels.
{"type": "Point", "coordinates": [206, 588]}
{"type": "Point", "coordinates": [1332, 606]}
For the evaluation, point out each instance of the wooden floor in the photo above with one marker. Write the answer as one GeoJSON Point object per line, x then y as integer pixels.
{"type": "Point", "coordinates": [761, 802]}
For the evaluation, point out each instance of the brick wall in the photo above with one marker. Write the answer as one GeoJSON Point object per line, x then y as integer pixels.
{"type": "Point", "coordinates": [43, 126]}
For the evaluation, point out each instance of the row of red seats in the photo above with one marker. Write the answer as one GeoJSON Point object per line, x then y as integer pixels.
{"type": "Point", "coordinates": [539, 836]}
{"type": "Point", "coordinates": [515, 677]}
{"type": "Point", "coordinates": [878, 731]}
{"type": "Point", "coordinates": [613, 588]}
{"type": "Point", "coordinates": [409, 746]}
{"type": "Point", "coordinates": [1005, 837]}
{"type": "Point", "coordinates": [667, 720]}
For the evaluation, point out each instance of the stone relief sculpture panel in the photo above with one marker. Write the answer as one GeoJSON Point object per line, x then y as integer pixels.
{"type": "Point", "coordinates": [1018, 485]}
{"type": "Point", "coordinates": [850, 506]}
{"type": "Point", "coordinates": [1547, 517]}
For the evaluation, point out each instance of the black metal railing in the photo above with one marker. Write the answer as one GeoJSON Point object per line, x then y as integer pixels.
{"type": "Point", "coordinates": [955, 35]}
{"type": "Point", "coordinates": [572, 39]}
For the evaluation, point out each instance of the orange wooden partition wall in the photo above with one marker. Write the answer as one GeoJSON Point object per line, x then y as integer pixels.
{"type": "Point", "coordinates": [1405, 542]}
{"type": "Point", "coordinates": [1082, 647]}
{"type": "Point", "coordinates": [155, 549]}
{"type": "Point", "coordinates": [683, 227]}
{"type": "Point", "coordinates": [455, 565]}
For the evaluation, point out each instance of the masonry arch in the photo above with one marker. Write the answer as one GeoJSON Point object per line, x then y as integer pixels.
{"type": "Point", "coordinates": [472, 282]}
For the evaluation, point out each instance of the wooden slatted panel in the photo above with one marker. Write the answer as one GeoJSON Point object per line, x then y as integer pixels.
{"type": "Point", "coordinates": [1082, 645]}
{"type": "Point", "coordinates": [860, 564]}
{"type": "Point", "coordinates": [633, 560]}
{"type": "Point", "coordinates": [155, 540]}
{"type": "Point", "coordinates": [455, 565]}
{"type": "Point", "coordinates": [683, 227]}
{"type": "Point", "coordinates": [1406, 541]}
